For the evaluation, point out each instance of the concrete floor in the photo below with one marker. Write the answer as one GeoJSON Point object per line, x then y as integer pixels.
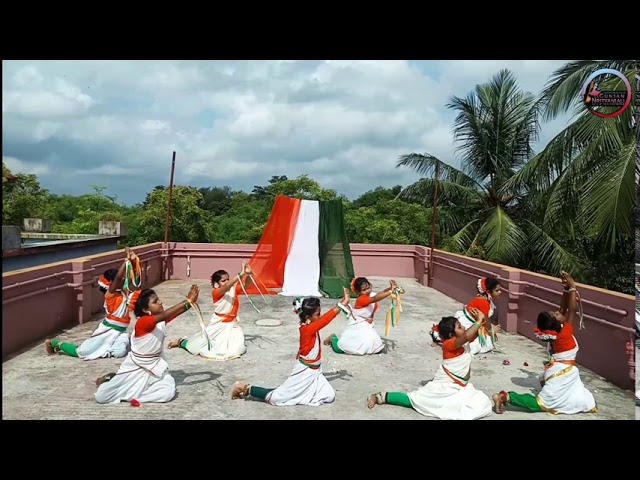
{"type": "Point", "coordinates": [37, 386]}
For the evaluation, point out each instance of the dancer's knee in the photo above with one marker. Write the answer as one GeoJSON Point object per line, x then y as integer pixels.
{"type": "Point", "coordinates": [119, 350]}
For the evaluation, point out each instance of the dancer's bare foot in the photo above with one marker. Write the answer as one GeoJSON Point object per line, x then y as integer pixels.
{"type": "Point", "coordinates": [174, 343]}
{"type": "Point", "coordinates": [48, 347]}
{"type": "Point", "coordinates": [374, 399]}
{"type": "Point", "coordinates": [498, 404]}
{"type": "Point", "coordinates": [327, 341]}
{"type": "Point", "coordinates": [239, 390]}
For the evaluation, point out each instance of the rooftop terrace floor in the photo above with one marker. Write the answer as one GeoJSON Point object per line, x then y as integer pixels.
{"type": "Point", "coordinates": [37, 386]}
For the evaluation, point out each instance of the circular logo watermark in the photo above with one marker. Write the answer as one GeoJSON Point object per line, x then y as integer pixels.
{"type": "Point", "coordinates": [617, 99]}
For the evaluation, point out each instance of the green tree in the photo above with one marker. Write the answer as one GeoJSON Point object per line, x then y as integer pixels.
{"type": "Point", "coordinates": [589, 166]}
{"type": "Point", "coordinates": [495, 126]}
{"type": "Point", "coordinates": [87, 211]}
{"type": "Point", "coordinates": [302, 187]}
{"type": "Point", "coordinates": [22, 197]}
{"type": "Point", "coordinates": [217, 199]}
{"type": "Point", "coordinates": [243, 222]}
{"type": "Point", "coordinates": [375, 196]}
{"type": "Point", "coordinates": [189, 220]}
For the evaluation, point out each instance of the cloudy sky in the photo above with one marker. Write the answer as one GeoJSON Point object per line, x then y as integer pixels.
{"type": "Point", "coordinates": [236, 123]}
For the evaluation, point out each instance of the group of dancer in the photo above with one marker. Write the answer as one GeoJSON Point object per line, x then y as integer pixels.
{"type": "Point", "coordinates": [144, 374]}
{"type": "Point", "coordinates": [451, 395]}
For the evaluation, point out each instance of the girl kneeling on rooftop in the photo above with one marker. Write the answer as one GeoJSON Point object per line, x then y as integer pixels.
{"type": "Point", "coordinates": [562, 388]}
{"type": "Point", "coordinates": [144, 374]}
{"type": "Point", "coordinates": [360, 336]}
{"type": "Point", "coordinates": [450, 395]}
{"type": "Point", "coordinates": [224, 339]}
{"type": "Point", "coordinates": [306, 385]}
{"type": "Point", "coordinates": [111, 338]}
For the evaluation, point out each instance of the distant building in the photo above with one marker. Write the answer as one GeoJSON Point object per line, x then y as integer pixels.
{"type": "Point", "coordinates": [31, 249]}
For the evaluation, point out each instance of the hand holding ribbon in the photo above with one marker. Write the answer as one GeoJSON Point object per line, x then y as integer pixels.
{"type": "Point", "coordinates": [393, 314]}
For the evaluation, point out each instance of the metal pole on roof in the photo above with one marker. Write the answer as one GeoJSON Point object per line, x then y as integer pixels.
{"type": "Point", "coordinates": [168, 220]}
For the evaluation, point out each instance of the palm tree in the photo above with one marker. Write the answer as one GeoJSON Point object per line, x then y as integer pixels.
{"type": "Point", "coordinates": [495, 125]}
{"type": "Point", "coordinates": [588, 168]}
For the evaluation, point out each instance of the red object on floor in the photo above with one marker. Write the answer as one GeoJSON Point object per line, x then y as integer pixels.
{"type": "Point", "coordinates": [135, 403]}
{"type": "Point", "coordinates": [526, 364]}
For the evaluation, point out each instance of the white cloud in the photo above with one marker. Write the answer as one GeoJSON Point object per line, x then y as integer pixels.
{"type": "Point", "coordinates": [236, 123]}
{"type": "Point", "coordinates": [155, 127]}
{"type": "Point", "coordinates": [27, 76]}
{"type": "Point", "coordinates": [18, 166]}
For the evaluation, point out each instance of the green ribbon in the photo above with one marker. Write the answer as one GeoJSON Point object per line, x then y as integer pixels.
{"type": "Point", "coordinates": [481, 338]}
{"type": "Point", "coordinates": [136, 278]}
{"type": "Point", "coordinates": [394, 304]}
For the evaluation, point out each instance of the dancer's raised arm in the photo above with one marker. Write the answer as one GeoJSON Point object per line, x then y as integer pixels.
{"type": "Point", "coordinates": [148, 305]}
{"type": "Point", "coordinates": [222, 282]}
{"type": "Point", "coordinates": [471, 333]}
{"type": "Point", "coordinates": [569, 299]}
{"type": "Point", "coordinates": [118, 281]}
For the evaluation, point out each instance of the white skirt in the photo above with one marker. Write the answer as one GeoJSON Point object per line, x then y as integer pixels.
{"type": "Point", "coordinates": [104, 342]}
{"type": "Point", "coordinates": [305, 386]}
{"type": "Point", "coordinates": [132, 382]}
{"type": "Point", "coordinates": [360, 338]}
{"type": "Point", "coordinates": [227, 342]}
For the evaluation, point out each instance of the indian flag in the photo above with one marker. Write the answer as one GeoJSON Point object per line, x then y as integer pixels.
{"type": "Point", "coordinates": [304, 250]}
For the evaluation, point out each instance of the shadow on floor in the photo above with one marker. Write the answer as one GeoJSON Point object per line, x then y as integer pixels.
{"type": "Point", "coordinates": [389, 345]}
{"type": "Point", "coordinates": [257, 339]}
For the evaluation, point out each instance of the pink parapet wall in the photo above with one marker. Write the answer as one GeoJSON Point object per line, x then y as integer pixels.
{"type": "Point", "coordinates": [38, 302]}
{"type": "Point", "coordinates": [200, 260]}
{"type": "Point", "coordinates": [41, 301]}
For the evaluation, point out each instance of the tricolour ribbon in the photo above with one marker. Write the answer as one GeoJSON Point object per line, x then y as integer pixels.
{"type": "Point", "coordinates": [133, 275]}
{"type": "Point", "coordinates": [393, 314]}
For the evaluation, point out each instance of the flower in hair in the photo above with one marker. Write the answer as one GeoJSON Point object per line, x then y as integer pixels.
{"type": "Point", "coordinates": [297, 306]}
{"type": "Point", "coordinates": [546, 335]}
{"type": "Point", "coordinates": [103, 282]}
{"type": "Point", "coordinates": [435, 334]}
{"type": "Point", "coordinates": [353, 284]}
{"type": "Point", "coordinates": [482, 285]}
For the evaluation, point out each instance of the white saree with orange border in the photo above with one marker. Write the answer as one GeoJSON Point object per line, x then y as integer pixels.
{"type": "Point", "coordinates": [306, 384]}
{"type": "Point", "coordinates": [563, 390]}
{"type": "Point", "coordinates": [360, 337]}
{"type": "Point", "coordinates": [450, 395]}
{"type": "Point", "coordinates": [225, 335]}
{"type": "Point", "coordinates": [107, 341]}
{"type": "Point", "coordinates": [144, 373]}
